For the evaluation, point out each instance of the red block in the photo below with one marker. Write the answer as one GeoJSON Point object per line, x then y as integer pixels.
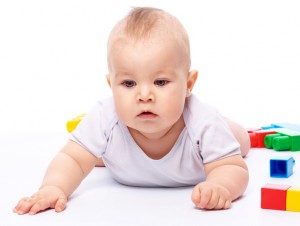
{"type": "Point", "coordinates": [257, 137]}
{"type": "Point", "coordinates": [273, 196]}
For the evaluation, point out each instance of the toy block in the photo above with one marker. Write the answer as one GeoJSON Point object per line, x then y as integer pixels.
{"type": "Point", "coordinates": [72, 124]}
{"type": "Point", "coordinates": [290, 126]}
{"type": "Point", "coordinates": [293, 199]}
{"type": "Point", "coordinates": [272, 126]}
{"type": "Point", "coordinates": [283, 140]}
{"type": "Point", "coordinates": [253, 130]}
{"type": "Point", "coordinates": [268, 140]}
{"type": "Point", "coordinates": [281, 167]}
{"type": "Point", "coordinates": [257, 137]}
{"type": "Point", "coordinates": [273, 196]}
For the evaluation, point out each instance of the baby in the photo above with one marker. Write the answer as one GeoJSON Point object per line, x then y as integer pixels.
{"type": "Point", "coordinates": [152, 131]}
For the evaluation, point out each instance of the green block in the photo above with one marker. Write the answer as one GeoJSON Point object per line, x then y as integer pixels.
{"type": "Point", "coordinates": [283, 140]}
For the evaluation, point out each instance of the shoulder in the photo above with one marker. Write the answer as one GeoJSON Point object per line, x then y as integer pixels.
{"type": "Point", "coordinates": [103, 114]}
{"type": "Point", "coordinates": [99, 120]}
{"type": "Point", "coordinates": [197, 113]}
{"type": "Point", "coordinates": [93, 131]}
{"type": "Point", "coordinates": [207, 127]}
{"type": "Point", "coordinates": [105, 108]}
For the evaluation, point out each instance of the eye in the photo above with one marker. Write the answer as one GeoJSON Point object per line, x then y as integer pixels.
{"type": "Point", "coordinates": [161, 82]}
{"type": "Point", "coordinates": [129, 84]}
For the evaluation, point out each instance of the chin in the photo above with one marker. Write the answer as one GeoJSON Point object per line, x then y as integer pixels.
{"type": "Point", "coordinates": [146, 129]}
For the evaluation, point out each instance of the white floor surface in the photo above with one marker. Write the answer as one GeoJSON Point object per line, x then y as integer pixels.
{"type": "Point", "coordinates": [101, 201]}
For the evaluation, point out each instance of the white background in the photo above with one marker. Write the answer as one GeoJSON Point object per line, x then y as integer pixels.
{"type": "Point", "coordinates": [53, 58]}
{"type": "Point", "coordinates": [53, 66]}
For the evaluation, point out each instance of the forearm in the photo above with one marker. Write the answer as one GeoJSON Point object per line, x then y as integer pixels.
{"type": "Point", "coordinates": [69, 167]}
{"type": "Point", "coordinates": [234, 178]}
{"type": "Point", "coordinates": [64, 173]}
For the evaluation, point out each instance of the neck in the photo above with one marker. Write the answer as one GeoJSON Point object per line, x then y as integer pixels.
{"type": "Point", "coordinates": [157, 145]}
{"type": "Point", "coordinates": [174, 129]}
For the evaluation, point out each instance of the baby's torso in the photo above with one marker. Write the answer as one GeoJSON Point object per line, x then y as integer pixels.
{"type": "Point", "coordinates": [204, 138]}
{"type": "Point", "coordinates": [129, 164]}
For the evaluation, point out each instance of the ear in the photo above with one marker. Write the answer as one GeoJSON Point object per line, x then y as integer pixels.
{"type": "Point", "coordinates": [192, 78]}
{"type": "Point", "coordinates": [108, 79]}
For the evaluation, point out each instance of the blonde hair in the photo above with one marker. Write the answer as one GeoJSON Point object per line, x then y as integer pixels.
{"type": "Point", "coordinates": [141, 22]}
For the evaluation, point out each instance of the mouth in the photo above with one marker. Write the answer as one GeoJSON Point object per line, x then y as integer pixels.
{"type": "Point", "coordinates": [147, 115]}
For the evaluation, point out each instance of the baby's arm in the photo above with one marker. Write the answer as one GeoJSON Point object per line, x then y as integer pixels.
{"type": "Point", "coordinates": [69, 167]}
{"type": "Point", "coordinates": [226, 180]}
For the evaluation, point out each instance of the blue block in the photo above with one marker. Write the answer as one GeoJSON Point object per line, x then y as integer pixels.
{"type": "Point", "coordinates": [290, 126]}
{"type": "Point", "coordinates": [281, 167]}
{"type": "Point", "coordinates": [272, 126]}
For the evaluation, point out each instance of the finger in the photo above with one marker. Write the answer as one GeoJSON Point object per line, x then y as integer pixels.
{"type": "Point", "coordinates": [60, 204]}
{"type": "Point", "coordinates": [227, 204]}
{"type": "Point", "coordinates": [214, 200]}
{"type": "Point", "coordinates": [40, 205]}
{"type": "Point", "coordinates": [221, 204]}
{"type": "Point", "coordinates": [17, 207]}
{"type": "Point", "coordinates": [205, 196]}
{"type": "Point", "coordinates": [24, 205]}
{"type": "Point", "coordinates": [196, 195]}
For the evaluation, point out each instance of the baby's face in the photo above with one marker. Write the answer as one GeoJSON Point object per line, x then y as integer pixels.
{"type": "Point", "coordinates": [149, 82]}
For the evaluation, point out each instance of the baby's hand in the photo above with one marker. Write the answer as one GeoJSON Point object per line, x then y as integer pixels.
{"type": "Point", "coordinates": [208, 195]}
{"type": "Point", "coordinates": [46, 197]}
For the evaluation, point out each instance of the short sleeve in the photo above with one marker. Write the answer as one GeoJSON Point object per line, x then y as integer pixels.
{"type": "Point", "coordinates": [217, 140]}
{"type": "Point", "coordinates": [209, 131]}
{"type": "Point", "coordinates": [92, 132]}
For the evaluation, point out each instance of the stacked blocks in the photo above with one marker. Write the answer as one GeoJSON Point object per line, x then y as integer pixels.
{"type": "Point", "coordinates": [281, 167]}
{"type": "Point", "coordinates": [280, 197]}
{"type": "Point", "coordinates": [72, 124]}
{"type": "Point", "coordinates": [279, 136]}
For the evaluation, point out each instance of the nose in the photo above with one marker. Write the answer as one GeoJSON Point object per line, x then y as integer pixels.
{"type": "Point", "coordinates": [145, 94]}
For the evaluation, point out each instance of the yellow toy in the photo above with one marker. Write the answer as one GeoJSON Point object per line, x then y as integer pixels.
{"type": "Point", "coordinates": [72, 124]}
{"type": "Point", "coordinates": [293, 199]}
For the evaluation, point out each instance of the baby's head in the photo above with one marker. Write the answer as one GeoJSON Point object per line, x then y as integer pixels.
{"type": "Point", "coordinates": [148, 56]}
{"type": "Point", "coordinates": [147, 24]}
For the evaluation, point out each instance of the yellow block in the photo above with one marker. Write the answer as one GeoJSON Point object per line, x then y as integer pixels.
{"type": "Point", "coordinates": [72, 124]}
{"type": "Point", "coordinates": [293, 199]}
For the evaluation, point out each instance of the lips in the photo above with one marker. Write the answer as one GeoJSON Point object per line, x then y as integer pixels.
{"type": "Point", "coordinates": [147, 115]}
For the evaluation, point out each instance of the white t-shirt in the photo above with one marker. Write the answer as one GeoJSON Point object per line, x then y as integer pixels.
{"type": "Point", "coordinates": [205, 138]}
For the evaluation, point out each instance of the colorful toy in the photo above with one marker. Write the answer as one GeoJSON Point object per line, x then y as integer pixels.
{"type": "Point", "coordinates": [272, 126]}
{"type": "Point", "coordinates": [280, 197]}
{"type": "Point", "coordinates": [273, 196]}
{"type": "Point", "coordinates": [277, 136]}
{"type": "Point", "coordinates": [281, 167]}
{"type": "Point", "coordinates": [293, 199]}
{"type": "Point", "coordinates": [290, 126]}
{"type": "Point", "coordinates": [257, 137]}
{"type": "Point", "coordinates": [283, 140]}
{"type": "Point", "coordinates": [72, 124]}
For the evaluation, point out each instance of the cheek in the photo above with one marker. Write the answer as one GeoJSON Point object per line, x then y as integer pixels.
{"type": "Point", "coordinates": [173, 107]}
{"type": "Point", "coordinates": [122, 105]}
